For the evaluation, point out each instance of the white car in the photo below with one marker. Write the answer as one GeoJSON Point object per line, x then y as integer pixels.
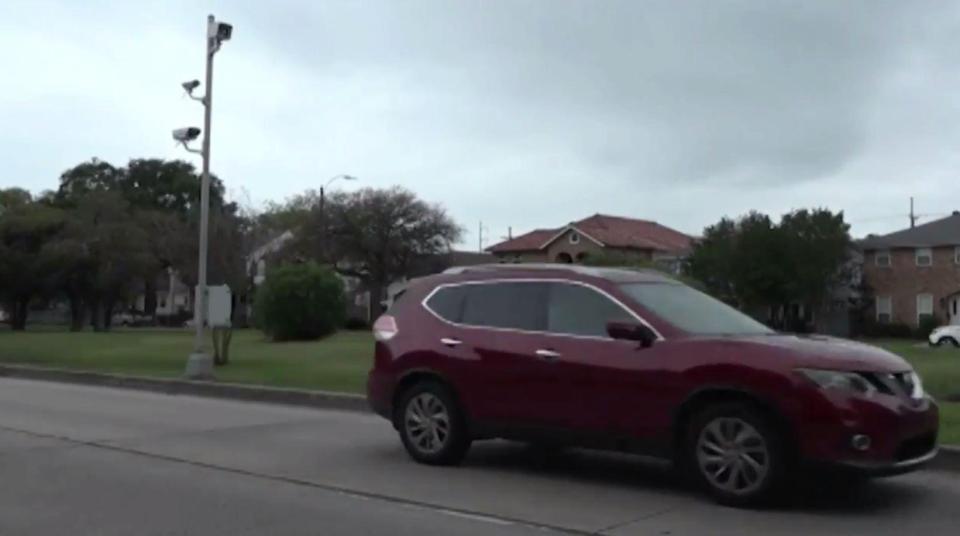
{"type": "Point", "coordinates": [944, 335]}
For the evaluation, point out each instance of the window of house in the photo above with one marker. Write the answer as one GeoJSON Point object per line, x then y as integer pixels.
{"type": "Point", "coordinates": [924, 256]}
{"type": "Point", "coordinates": [579, 310]}
{"type": "Point", "coordinates": [956, 255]}
{"type": "Point", "coordinates": [924, 306]}
{"type": "Point", "coordinates": [884, 309]}
{"type": "Point", "coordinates": [513, 305]}
{"type": "Point", "coordinates": [882, 258]}
{"type": "Point", "coordinates": [574, 238]}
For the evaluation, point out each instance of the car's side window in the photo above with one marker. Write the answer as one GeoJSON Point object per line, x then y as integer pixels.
{"type": "Point", "coordinates": [513, 305]}
{"type": "Point", "coordinates": [447, 303]}
{"type": "Point", "coordinates": [579, 310]}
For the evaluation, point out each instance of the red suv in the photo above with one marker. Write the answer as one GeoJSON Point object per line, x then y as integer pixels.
{"type": "Point", "coordinates": [636, 361]}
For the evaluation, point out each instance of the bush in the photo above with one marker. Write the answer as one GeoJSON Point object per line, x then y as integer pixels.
{"type": "Point", "coordinates": [300, 302]}
{"type": "Point", "coordinates": [356, 323]}
{"type": "Point", "coordinates": [894, 330]}
{"type": "Point", "coordinates": [927, 324]}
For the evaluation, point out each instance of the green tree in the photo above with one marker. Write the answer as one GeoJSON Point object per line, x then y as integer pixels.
{"type": "Point", "coordinates": [88, 177]}
{"type": "Point", "coordinates": [377, 235]}
{"type": "Point", "coordinates": [25, 227]}
{"type": "Point", "coordinates": [754, 262]}
{"type": "Point", "coordinates": [13, 197]}
{"type": "Point", "coordinates": [108, 249]}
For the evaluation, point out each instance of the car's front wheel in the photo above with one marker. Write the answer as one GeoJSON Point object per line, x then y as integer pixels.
{"type": "Point", "coordinates": [736, 454]}
{"type": "Point", "coordinates": [432, 425]}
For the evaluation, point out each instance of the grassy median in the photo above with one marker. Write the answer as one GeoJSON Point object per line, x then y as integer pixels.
{"type": "Point", "coordinates": [339, 363]}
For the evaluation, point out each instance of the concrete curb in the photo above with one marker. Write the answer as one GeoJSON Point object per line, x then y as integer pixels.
{"type": "Point", "coordinates": [232, 391]}
{"type": "Point", "coordinates": [947, 460]}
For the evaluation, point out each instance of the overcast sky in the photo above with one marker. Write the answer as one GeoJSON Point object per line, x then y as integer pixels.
{"type": "Point", "coordinates": [517, 113]}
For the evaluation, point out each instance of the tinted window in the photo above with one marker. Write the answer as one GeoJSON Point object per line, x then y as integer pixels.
{"type": "Point", "coordinates": [692, 310]}
{"type": "Point", "coordinates": [578, 310]}
{"type": "Point", "coordinates": [506, 305]}
{"type": "Point", "coordinates": [448, 303]}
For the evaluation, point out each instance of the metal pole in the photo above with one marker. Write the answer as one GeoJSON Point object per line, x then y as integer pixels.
{"type": "Point", "coordinates": [200, 364]}
{"type": "Point", "coordinates": [323, 227]}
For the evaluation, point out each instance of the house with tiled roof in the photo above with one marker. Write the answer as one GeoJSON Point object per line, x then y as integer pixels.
{"type": "Point", "coordinates": [915, 272]}
{"type": "Point", "coordinates": [599, 234]}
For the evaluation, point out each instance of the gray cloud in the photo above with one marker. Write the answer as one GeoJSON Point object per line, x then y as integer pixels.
{"type": "Point", "coordinates": [520, 113]}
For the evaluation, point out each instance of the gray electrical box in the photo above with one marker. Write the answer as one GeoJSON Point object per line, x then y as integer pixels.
{"type": "Point", "coordinates": [219, 306]}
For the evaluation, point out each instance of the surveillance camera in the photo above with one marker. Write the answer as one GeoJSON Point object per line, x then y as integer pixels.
{"type": "Point", "coordinates": [191, 85]}
{"type": "Point", "coordinates": [183, 135]}
{"type": "Point", "coordinates": [224, 31]}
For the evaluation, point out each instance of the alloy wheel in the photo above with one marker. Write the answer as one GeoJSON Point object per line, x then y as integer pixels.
{"type": "Point", "coordinates": [427, 423]}
{"type": "Point", "coordinates": [733, 456]}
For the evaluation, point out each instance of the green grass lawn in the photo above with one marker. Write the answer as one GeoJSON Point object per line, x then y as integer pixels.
{"type": "Point", "coordinates": [339, 363]}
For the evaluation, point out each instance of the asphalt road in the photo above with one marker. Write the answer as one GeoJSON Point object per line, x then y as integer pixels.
{"type": "Point", "coordinates": [86, 460]}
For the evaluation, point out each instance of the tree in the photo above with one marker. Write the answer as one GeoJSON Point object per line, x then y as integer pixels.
{"type": "Point", "coordinates": [87, 177]}
{"type": "Point", "coordinates": [711, 261]}
{"type": "Point", "coordinates": [168, 186]}
{"type": "Point", "coordinates": [754, 262]}
{"type": "Point", "coordinates": [377, 234]}
{"type": "Point", "coordinates": [13, 197]}
{"type": "Point", "coordinates": [820, 244]}
{"type": "Point", "coordinates": [107, 252]}
{"type": "Point", "coordinates": [25, 227]}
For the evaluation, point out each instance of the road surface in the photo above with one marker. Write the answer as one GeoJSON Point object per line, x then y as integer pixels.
{"type": "Point", "coordinates": [89, 460]}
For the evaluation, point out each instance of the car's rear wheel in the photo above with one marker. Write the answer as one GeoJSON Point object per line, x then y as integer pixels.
{"type": "Point", "coordinates": [948, 340]}
{"type": "Point", "coordinates": [432, 425]}
{"type": "Point", "coordinates": [736, 454]}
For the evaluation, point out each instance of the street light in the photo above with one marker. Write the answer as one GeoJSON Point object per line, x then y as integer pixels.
{"type": "Point", "coordinates": [323, 215]}
{"type": "Point", "coordinates": [200, 363]}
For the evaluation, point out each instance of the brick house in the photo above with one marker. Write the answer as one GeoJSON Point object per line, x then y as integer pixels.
{"type": "Point", "coordinates": [915, 272]}
{"type": "Point", "coordinates": [597, 234]}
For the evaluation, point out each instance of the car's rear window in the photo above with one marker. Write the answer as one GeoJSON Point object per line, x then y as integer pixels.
{"type": "Point", "coordinates": [447, 303]}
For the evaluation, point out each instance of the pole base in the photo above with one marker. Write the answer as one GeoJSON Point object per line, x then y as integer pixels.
{"type": "Point", "coordinates": [199, 367]}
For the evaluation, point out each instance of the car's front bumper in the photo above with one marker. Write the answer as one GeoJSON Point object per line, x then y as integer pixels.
{"type": "Point", "coordinates": [902, 433]}
{"type": "Point", "coordinates": [879, 469]}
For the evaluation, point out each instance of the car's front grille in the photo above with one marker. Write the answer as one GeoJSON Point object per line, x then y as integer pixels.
{"type": "Point", "coordinates": [916, 447]}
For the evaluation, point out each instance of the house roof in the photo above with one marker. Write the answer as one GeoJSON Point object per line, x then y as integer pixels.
{"type": "Point", "coordinates": [609, 231]}
{"type": "Point", "coordinates": [942, 232]}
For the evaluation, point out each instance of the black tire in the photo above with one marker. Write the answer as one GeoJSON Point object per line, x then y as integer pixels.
{"type": "Point", "coordinates": [769, 484]}
{"type": "Point", "coordinates": [948, 340]}
{"type": "Point", "coordinates": [453, 444]}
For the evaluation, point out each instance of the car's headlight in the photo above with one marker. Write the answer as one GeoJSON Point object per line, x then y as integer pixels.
{"type": "Point", "coordinates": [850, 382]}
{"type": "Point", "coordinates": [916, 391]}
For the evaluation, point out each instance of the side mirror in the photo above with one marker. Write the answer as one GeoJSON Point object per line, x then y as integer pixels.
{"type": "Point", "coordinates": [628, 331]}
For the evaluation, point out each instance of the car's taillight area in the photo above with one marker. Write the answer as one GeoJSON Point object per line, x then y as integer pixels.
{"type": "Point", "coordinates": [385, 328]}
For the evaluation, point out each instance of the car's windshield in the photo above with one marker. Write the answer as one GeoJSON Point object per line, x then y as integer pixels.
{"type": "Point", "coordinates": [693, 311]}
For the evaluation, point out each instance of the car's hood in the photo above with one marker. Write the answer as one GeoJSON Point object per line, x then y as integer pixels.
{"type": "Point", "coordinates": [819, 351]}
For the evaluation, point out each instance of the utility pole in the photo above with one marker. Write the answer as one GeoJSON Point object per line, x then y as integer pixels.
{"type": "Point", "coordinates": [200, 363]}
{"type": "Point", "coordinates": [480, 237]}
{"type": "Point", "coordinates": [913, 217]}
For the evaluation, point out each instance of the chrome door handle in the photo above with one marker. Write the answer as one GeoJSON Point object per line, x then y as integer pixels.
{"type": "Point", "coordinates": [450, 342]}
{"type": "Point", "coordinates": [547, 354]}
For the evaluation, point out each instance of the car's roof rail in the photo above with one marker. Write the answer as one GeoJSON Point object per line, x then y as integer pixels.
{"type": "Point", "coordinates": [594, 271]}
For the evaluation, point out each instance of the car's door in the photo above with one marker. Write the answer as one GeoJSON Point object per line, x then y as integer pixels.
{"type": "Point", "coordinates": [609, 386]}
{"type": "Point", "coordinates": [503, 323]}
